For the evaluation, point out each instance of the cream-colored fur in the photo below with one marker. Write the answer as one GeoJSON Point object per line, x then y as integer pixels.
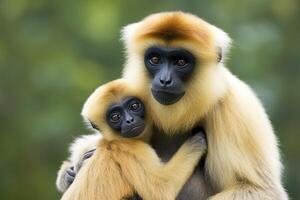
{"type": "Point", "coordinates": [122, 167]}
{"type": "Point", "coordinates": [243, 160]}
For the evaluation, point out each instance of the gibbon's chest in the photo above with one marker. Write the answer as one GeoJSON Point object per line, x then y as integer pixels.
{"type": "Point", "coordinates": [197, 187]}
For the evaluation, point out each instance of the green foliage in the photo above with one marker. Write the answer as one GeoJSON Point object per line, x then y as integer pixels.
{"type": "Point", "coordinates": [54, 53]}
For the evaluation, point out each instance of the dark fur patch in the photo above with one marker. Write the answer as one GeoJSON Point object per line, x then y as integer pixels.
{"type": "Point", "coordinates": [177, 25]}
{"type": "Point", "coordinates": [134, 197]}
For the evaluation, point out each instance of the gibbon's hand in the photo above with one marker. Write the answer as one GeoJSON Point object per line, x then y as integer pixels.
{"type": "Point", "coordinates": [70, 175]}
{"type": "Point", "coordinates": [65, 176]}
{"type": "Point", "coordinates": [71, 172]}
{"type": "Point", "coordinates": [200, 136]}
{"type": "Point", "coordinates": [67, 172]}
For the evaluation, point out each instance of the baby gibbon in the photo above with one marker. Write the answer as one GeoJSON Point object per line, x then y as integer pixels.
{"type": "Point", "coordinates": [123, 163]}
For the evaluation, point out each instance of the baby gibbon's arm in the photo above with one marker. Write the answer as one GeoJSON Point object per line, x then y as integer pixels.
{"type": "Point", "coordinates": [152, 179]}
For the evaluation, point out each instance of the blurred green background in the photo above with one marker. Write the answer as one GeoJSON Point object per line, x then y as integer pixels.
{"type": "Point", "coordinates": [54, 53]}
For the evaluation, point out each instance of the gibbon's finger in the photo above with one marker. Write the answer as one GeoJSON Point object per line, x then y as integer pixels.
{"type": "Point", "coordinates": [88, 154]}
{"type": "Point", "coordinates": [71, 171]}
{"type": "Point", "coordinates": [70, 175]}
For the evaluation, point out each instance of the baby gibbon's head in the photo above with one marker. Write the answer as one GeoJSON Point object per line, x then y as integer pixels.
{"type": "Point", "coordinates": [117, 110]}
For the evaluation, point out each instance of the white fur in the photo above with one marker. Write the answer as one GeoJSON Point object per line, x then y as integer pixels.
{"type": "Point", "coordinates": [222, 40]}
{"type": "Point", "coordinates": [81, 145]}
{"type": "Point", "coordinates": [128, 32]}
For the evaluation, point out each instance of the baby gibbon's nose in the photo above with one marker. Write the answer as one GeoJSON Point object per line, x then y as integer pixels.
{"type": "Point", "coordinates": [129, 119]}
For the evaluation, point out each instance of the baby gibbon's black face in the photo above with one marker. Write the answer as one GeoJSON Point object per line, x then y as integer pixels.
{"type": "Point", "coordinates": [170, 69]}
{"type": "Point", "coordinates": [127, 117]}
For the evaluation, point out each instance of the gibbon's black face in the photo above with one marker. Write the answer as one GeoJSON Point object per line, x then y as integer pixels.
{"type": "Point", "coordinates": [170, 69]}
{"type": "Point", "coordinates": [127, 117]}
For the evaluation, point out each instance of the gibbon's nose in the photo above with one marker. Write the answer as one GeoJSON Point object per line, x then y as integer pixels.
{"type": "Point", "coordinates": [128, 121]}
{"type": "Point", "coordinates": [165, 78]}
{"type": "Point", "coordinates": [165, 82]}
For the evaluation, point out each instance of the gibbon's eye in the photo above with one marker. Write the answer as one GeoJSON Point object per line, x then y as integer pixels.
{"type": "Point", "coordinates": [154, 60]}
{"type": "Point", "coordinates": [181, 63]}
{"type": "Point", "coordinates": [135, 106]}
{"type": "Point", "coordinates": [115, 117]}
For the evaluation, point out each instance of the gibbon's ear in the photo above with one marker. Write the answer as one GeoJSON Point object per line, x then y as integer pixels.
{"type": "Point", "coordinates": [222, 43]}
{"type": "Point", "coordinates": [94, 126]}
{"type": "Point", "coordinates": [91, 125]}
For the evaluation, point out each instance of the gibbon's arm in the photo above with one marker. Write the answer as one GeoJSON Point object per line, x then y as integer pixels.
{"type": "Point", "coordinates": [81, 149]}
{"type": "Point", "coordinates": [243, 157]}
{"type": "Point", "coordinates": [152, 179]}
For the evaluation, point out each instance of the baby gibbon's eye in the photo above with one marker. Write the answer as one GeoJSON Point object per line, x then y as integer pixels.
{"type": "Point", "coordinates": [134, 106]}
{"type": "Point", "coordinates": [115, 117]}
{"type": "Point", "coordinates": [154, 60]}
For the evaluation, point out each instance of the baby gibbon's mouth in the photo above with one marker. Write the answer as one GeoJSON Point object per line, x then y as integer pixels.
{"type": "Point", "coordinates": [166, 97]}
{"type": "Point", "coordinates": [134, 131]}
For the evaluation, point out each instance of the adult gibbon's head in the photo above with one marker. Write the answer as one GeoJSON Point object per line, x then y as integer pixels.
{"type": "Point", "coordinates": [117, 110]}
{"type": "Point", "coordinates": [178, 58]}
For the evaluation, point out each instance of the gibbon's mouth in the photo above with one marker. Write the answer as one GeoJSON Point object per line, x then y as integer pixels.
{"type": "Point", "coordinates": [166, 97]}
{"type": "Point", "coordinates": [134, 131]}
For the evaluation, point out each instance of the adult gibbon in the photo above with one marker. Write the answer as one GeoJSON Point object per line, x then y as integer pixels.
{"type": "Point", "coordinates": [179, 59]}
{"type": "Point", "coordinates": [123, 164]}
